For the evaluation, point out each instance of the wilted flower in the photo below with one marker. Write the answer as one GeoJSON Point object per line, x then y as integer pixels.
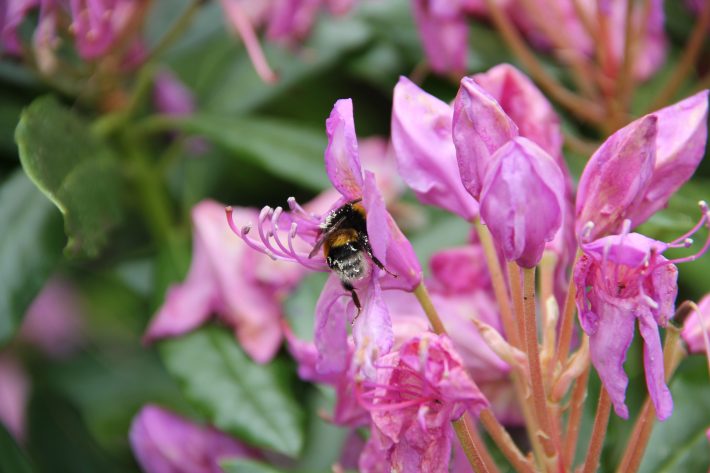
{"type": "Point", "coordinates": [696, 329]}
{"type": "Point", "coordinates": [243, 287]}
{"type": "Point", "coordinates": [164, 442]}
{"type": "Point", "coordinates": [637, 169]}
{"type": "Point", "coordinates": [417, 392]}
{"type": "Point", "coordinates": [622, 279]}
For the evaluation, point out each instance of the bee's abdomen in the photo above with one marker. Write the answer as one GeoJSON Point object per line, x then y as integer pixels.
{"type": "Point", "coordinates": [347, 261]}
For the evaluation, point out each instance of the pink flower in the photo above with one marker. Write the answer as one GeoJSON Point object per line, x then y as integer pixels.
{"type": "Point", "coordinates": [14, 393]}
{"type": "Point", "coordinates": [637, 169]}
{"type": "Point", "coordinates": [426, 157]}
{"type": "Point", "coordinates": [417, 392]}
{"type": "Point", "coordinates": [286, 21]}
{"type": "Point", "coordinates": [243, 287]}
{"type": "Point", "coordinates": [164, 442]}
{"type": "Point", "coordinates": [98, 25]}
{"type": "Point", "coordinates": [696, 328]}
{"type": "Point", "coordinates": [444, 36]}
{"type": "Point", "coordinates": [523, 177]}
{"type": "Point", "coordinates": [171, 96]}
{"type": "Point", "coordinates": [622, 279]}
{"type": "Point", "coordinates": [480, 128]}
{"type": "Point", "coordinates": [389, 247]}
{"type": "Point", "coordinates": [54, 323]}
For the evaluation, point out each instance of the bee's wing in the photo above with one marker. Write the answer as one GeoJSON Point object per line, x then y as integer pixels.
{"type": "Point", "coordinates": [324, 236]}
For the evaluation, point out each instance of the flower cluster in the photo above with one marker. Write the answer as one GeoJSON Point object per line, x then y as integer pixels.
{"type": "Point", "coordinates": [494, 155]}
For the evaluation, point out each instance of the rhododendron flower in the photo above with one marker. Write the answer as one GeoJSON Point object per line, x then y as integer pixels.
{"type": "Point", "coordinates": [96, 26]}
{"type": "Point", "coordinates": [164, 442]}
{"type": "Point", "coordinates": [426, 157]}
{"type": "Point", "coordinates": [636, 170]}
{"type": "Point", "coordinates": [243, 287]}
{"type": "Point", "coordinates": [417, 392]}
{"type": "Point", "coordinates": [696, 329]}
{"type": "Point", "coordinates": [508, 174]}
{"type": "Point", "coordinates": [622, 279]}
{"type": "Point", "coordinates": [372, 327]}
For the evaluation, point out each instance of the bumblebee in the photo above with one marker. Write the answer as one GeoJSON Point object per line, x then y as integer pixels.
{"type": "Point", "coordinates": [345, 244]}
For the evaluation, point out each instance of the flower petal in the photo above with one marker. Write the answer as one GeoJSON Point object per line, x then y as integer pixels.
{"type": "Point", "coordinates": [426, 156]}
{"type": "Point", "coordinates": [616, 178]}
{"type": "Point", "coordinates": [372, 330]}
{"type": "Point", "coordinates": [523, 102]}
{"type": "Point", "coordinates": [330, 328]}
{"type": "Point", "coordinates": [653, 366]}
{"type": "Point", "coordinates": [480, 127]}
{"type": "Point", "coordinates": [607, 349]}
{"type": "Point", "coordinates": [680, 146]}
{"type": "Point", "coordinates": [388, 242]}
{"type": "Point", "coordinates": [164, 442]}
{"type": "Point", "coordinates": [524, 177]}
{"type": "Point", "coordinates": [342, 162]}
{"type": "Point", "coordinates": [444, 38]}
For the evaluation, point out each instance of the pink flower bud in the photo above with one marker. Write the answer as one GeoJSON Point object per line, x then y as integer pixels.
{"type": "Point", "coordinates": [616, 178]}
{"type": "Point", "coordinates": [522, 200]}
{"type": "Point", "coordinates": [526, 106]}
{"type": "Point", "coordinates": [480, 127]}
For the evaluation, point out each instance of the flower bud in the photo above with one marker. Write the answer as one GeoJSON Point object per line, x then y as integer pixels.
{"type": "Point", "coordinates": [522, 201]}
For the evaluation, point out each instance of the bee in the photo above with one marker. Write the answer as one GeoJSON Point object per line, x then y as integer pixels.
{"type": "Point", "coordinates": [346, 246]}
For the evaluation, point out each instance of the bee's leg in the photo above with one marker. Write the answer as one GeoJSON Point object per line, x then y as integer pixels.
{"type": "Point", "coordinates": [356, 300]}
{"type": "Point", "coordinates": [368, 249]}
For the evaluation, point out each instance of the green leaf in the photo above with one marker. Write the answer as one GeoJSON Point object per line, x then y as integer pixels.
{"type": "Point", "coordinates": [679, 443]}
{"type": "Point", "coordinates": [30, 245]}
{"type": "Point", "coordinates": [12, 459]}
{"type": "Point", "coordinates": [242, 465]}
{"type": "Point", "coordinates": [253, 402]}
{"type": "Point", "coordinates": [74, 169]}
{"type": "Point", "coordinates": [285, 149]}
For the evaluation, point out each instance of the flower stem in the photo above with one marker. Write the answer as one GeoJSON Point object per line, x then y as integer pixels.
{"type": "Point", "coordinates": [687, 60]}
{"type": "Point", "coordinates": [567, 321]}
{"type": "Point", "coordinates": [601, 419]}
{"type": "Point", "coordinates": [498, 280]}
{"type": "Point", "coordinates": [511, 328]}
{"type": "Point", "coordinates": [531, 346]}
{"type": "Point", "coordinates": [516, 288]}
{"type": "Point", "coordinates": [583, 108]}
{"type": "Point", "coordinates": [579, 395]}
{"type": "Point", "coordinates": [501, 437]}
{"type": "Point", "coordinates": [422, 296]}
{"type": "Point", "coordinates": [473, 445]}
{"type": "Point", "coordinates": [672, 356]}
{"type": "Point", "coordinates": [476, 451]}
